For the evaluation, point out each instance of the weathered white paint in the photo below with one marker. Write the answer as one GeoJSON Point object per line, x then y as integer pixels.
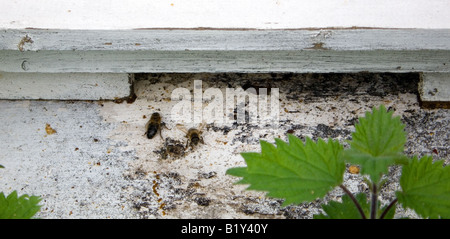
{"type": "Point", "coordinates": [225, 40]}
{"type": "Point", "coordinates": [260, 14]}
{"type": "Point", "coordinates": [435, 87]}
{"type": "Point", "coordinates": [225, 61]}
{"type": "Point", "coordinates": [74, 86]}
{"type": "Point", "coordinates": [130, 51]}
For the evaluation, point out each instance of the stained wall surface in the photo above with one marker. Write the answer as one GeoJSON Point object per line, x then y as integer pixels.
{"type": "Point", "coordinates": [91, 159]}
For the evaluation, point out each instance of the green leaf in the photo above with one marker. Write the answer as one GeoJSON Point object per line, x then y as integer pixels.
{"type": "Point", "coordinates": [390, 214]}
{"type": "Point", "coordinates": [426, 187]}
{"type": "Point", "coordinates": [14, 207]}
{"type": "Point", "coordinates": [1, 166]}
{"type": "Point", "coordinates": [238, 172]}
{"type": "Point", "coordinates": [377, 143]}
{"type": "Point", "coordinates": [347, 208]}
{"type": "Point", "coordinates": [296, 172]}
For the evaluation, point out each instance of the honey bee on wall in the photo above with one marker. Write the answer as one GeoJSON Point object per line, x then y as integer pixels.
{"type": "Point", "coordinates": [194, 135]}
{"type": "Point", "coordinates": [153, 126]}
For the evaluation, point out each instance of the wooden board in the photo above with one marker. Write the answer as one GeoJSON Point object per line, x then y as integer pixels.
{"type": "Point", "coordinates": [60, 86]}
{"type": "Point", "coordinates": [435, 87]}
{"type": "Point", "coordinates": [215, 61]}
{"type": "Point", "coordinates": [130, 51]}
{"type": "Point", "coordinates": [225, 40]}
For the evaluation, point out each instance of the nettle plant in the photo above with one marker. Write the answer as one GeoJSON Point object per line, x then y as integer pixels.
{"type": "Point", "coordinates": [15, 207]}
{"type": "Point", "coordinates": [299, 172]}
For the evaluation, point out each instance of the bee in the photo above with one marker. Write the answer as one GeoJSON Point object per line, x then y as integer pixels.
{"type": "Point", "coordinates": [154, 125]}
{"type": "Point", "coordinates": [194, 135]}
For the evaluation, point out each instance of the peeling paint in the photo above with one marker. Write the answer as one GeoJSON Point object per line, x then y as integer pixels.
{"type": "Point", "coordinates": [25, 39]}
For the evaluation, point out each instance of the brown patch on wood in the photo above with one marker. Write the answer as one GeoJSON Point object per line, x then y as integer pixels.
{"type": "Point", "coordinates": [318, 46]}
{"type": "Point", "coordinates": [434, 105]}
{"type": "Point", "coordinates": [129, 99]}
{"type": "Point", "coordinates": [25, 39]}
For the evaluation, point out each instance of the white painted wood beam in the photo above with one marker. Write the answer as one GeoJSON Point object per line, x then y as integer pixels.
{"type": "Point", "coordinates": [216, 61]}
{"type": "Point", "coordinates": [224, 40]}
{"type": "Point", "coordinates": [61, 86]}
{"type": "Point", "coordinates": [435, 87]}
{"type": "Point", "coordinates": [130, 51]}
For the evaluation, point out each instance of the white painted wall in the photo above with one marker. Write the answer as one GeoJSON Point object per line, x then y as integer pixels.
{"type": "Point", "coordinates": [261, 14]}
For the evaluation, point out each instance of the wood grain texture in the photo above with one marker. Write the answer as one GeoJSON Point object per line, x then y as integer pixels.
{"type": "Point", "coordinates": [130, 51]}
{"type": "Point", "coordinates": [226, 61]}
{"type": "Point", "coordinates": [226, 40]}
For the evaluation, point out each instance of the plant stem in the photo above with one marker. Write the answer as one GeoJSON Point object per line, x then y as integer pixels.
{"type": "Point", "coordinates": [373, 209]}
{"type": "Point", "coordinates": [354, 201]}
{"type": "Point", "coordinates": [388, 208]}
